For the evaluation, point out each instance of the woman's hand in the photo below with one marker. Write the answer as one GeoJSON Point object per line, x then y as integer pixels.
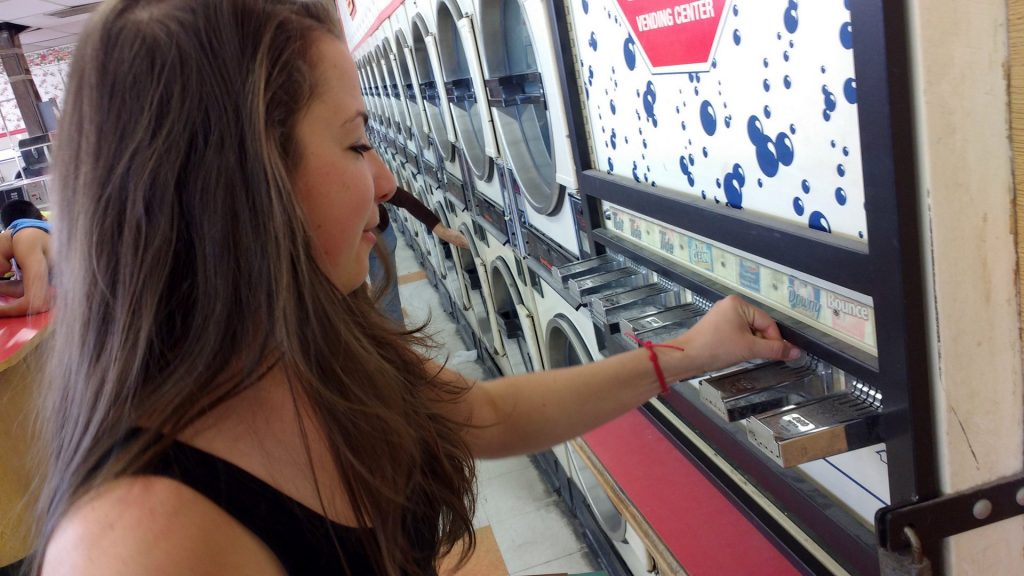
{"type": "Point", "coordinates": [451, 236]}
{"type": "Point", "coordinates": [733, 331]}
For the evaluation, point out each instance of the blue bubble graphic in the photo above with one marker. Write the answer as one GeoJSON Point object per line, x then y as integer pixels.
{"type": "Point", "coordinates": [833, 143]}
{"type": "Point", "coordinates": [805, 186]}
{"type": "Point", "coordinates": [650, 97]}
{"type": "Point", "coordinates": [760, 183]}
{"type": "Point", "coordinates": [611, 167]}
{"type": "Point", "coordinates": [629, 52]}
{"type": "Point", "coordinates": [703, 195]}
{"type": "Point", "coordinates": [798, 206]}
{"type": "Point", "coordinates": [644, 143]}
{"type": "Point", "coordinates": [735, 10]}
{"type": "Point", "coordinates": [785, 55]}
{"type": "Point", "coordinates": [792, 128]}
{"type": "Point", "coordinates": [841, 170]}
{"type": "Point", "coordinates": [784, 149]}
{"type": "Point", "coordinates": [696, 91]}
{"type": "Point", "coordinates": [611, 106]}
{"type": "Point", "coordinates": [636, 174]}
{"type": "Point", "coordinates": [767, 159]}
{"type": "Point", "coordinates": [593, 42]}
{"type": "Point", "coordinates": [767, 85]}
{"type": "Point", "coordinates": [818, 221]}
{"type": "Point", "coordinates": [613, 139]}
{"type": "Point", "coordinates": [850, 90]}
{"type": "Point", "coordinates": [823, 70]}
{"type": "Point", "coordinates": [714, 63]}
{"type": "Point", "coordinates": [586, 7]}
{"type": "Point", "coordinates": [754, 130]}
{"type": "Point", "coordinates": [767, 111]}
{"type": "Point", "coordinates": [860, 234]}
{"type": "Point", "coordinates": [708, 118]}
{"type": "Point", "coordinates": [787, 82]}
{"type": "Point", "coordinates": [841, 196]}
{"type": "Point", "coordinates": [846, 35]}
{"type": "Point", "coordinates": [692, 160]}
{"type": "Point", "coordinates": [791, 18]}
{"type": "Point", "coordinates": [705, 151]}
{"type": "Point", "coordinates": [684, 166]}
{"type": "Point", "coordinates": [590, 75]}
{"type": "Point", "coordinates": [765, 62]}
{"type": "Point", "coordinates": [846, 151]}
{"type": "Point", "coordinates": [733, 187]}
{"type": "Point", "coordinates": [718, 182]}
{"type": "Point", "coordinates": [736, 36]}
{"type": "Point", "coordinates": [791, 43]}
{"type": "Point", "coordinates": [778, 35]}
{"type": "Point", "coordinates": [728, 121]}
{"type": "Point", "coordinates": [830, 102]}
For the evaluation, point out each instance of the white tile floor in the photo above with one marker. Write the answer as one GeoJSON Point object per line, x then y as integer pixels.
{"type": "Point", "coordinates": [533, 531]}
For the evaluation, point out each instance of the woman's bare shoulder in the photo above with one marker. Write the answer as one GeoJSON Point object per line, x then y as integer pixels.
{"type": "Point", "coordinates": [153, 525]}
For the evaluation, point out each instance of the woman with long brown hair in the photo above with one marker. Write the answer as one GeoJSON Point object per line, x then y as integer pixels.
{"type": "Point", "coordinates": [223, 397]}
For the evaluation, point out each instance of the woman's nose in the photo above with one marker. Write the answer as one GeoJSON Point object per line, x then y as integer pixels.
{"type": "Point", "coordinates": [383, 180]}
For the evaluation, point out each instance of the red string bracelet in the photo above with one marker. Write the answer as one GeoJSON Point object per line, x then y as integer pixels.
{"type": "Point", "coordinates": [654, 358]}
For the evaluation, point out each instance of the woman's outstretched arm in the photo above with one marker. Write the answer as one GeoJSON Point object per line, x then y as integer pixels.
{"type": "Point", "coordinates": [530, 412]}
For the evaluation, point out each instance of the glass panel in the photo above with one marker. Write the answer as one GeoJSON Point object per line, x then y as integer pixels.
{"type": "Point", "coordinates": [532, 118]}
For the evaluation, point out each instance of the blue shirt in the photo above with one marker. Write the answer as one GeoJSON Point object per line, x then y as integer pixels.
{"type": "Point", "coordinates": [22, 223]}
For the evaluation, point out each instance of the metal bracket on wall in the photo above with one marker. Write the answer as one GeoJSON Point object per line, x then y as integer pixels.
{"type": "Point", "coordinates": [947, 516]}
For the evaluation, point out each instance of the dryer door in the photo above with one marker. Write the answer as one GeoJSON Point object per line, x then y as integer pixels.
{"type": "Point", "coordinates": [564, 345]}
{"type": "Point", "coordinates": [398, 92]}
{"type": "Point", "coordinates": [413, 95]}
{"type": "Point", "coordinates": [608, 516]}
{"type": "Point", "coordinates": [464, 85]}
{"type": "Point", "coordinates": [515, 321]}
{"type": "Point", "coordinates": [519, 98]}
{"type": "Point", "coordinates": [431, 91]}
{"type": "Point", "coordinates": [477, 287]}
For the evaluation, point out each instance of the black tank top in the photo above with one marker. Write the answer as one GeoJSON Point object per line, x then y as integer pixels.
{"type": "Point", "coordinates": [299, 537]}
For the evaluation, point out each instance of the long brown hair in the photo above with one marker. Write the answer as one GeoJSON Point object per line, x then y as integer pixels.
{"type": "Point", "coordinates": [185, 266]}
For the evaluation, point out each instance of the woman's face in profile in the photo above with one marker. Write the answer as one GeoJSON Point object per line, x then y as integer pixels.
{"type": "Point", "coordinates": [340, 180]}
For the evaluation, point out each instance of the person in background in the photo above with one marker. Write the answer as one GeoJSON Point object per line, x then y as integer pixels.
{"type": "Point", "coordinates": [383, 275]}
{"type": "Point", "coordinates": [222, 396]}
{"type": "Point", "coordinates": [25, 250]}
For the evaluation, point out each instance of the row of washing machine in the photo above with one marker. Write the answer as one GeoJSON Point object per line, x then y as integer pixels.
{"type": "Point", "coordinates": [466, 107]}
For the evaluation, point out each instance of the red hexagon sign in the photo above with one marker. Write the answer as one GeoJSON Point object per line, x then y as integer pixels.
{"type": "Point", "coordinates": [675, 35]}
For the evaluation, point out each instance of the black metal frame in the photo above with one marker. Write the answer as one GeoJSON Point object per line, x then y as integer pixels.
{"type": "Point", "coordinates": [889, 270]}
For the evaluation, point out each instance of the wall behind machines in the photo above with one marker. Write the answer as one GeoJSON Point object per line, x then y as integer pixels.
{"type": "Point", "coordinates": [959, 55]}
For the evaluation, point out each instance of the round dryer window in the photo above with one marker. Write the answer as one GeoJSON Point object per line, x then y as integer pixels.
{"type": "Point", "coordinates": [465, 102]}
{"type": "Point", "coordinates": [522, 113]}
{"type": "Point", "coordinates": [431, 92]}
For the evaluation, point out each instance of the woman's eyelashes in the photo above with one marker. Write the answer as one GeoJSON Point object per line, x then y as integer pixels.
{"type": "Point", "coordinates": [362, 149]}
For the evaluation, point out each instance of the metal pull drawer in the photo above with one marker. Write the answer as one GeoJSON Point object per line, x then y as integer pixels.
{"type": "Point", "coordinates": [745, 392]}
